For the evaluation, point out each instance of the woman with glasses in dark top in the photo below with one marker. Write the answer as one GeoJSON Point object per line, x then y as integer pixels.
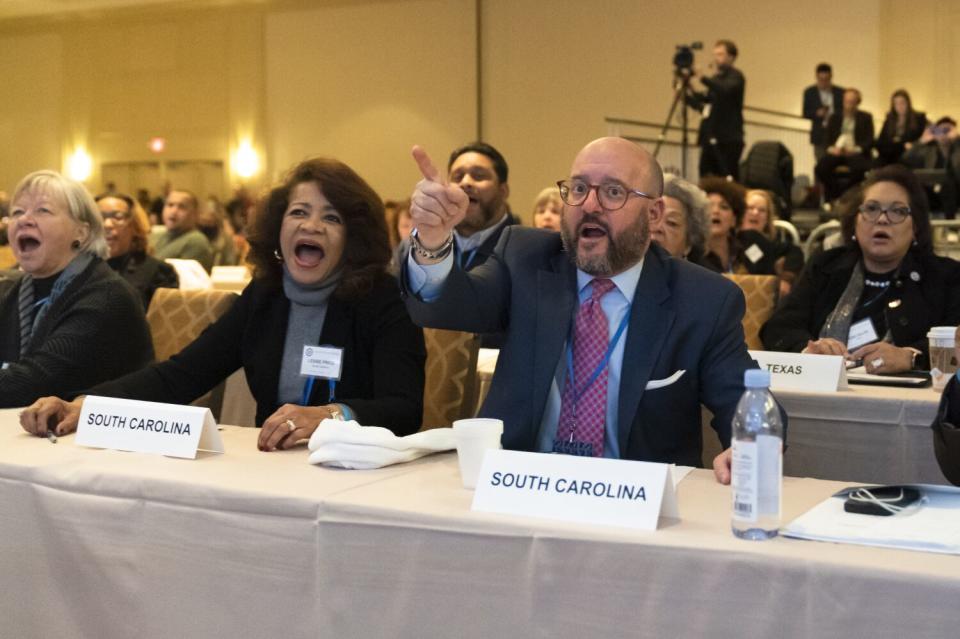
{"type": "Point", "coordinates": [126, 228]}
{"type": "Point", "coordinates": [875, 298]}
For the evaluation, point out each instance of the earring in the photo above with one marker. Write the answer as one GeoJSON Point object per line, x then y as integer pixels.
{"type": "Point", "coordinates": [276, 254]}
{"type": "Point", "coordinates": [75, 244]}
{"type": "Point", "coordinates": [853, 237]}
{"type": "Point", "coordinates": [915, 243]}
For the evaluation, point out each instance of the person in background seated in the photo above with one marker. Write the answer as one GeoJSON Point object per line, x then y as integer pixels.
{"type": "Point", "coordinates": [902, 127]}
{"type": "Point", "coordinates": [183, 240]}
{"type": "Point", "coordinates": [68, 321]}
{"type": "Point", "coordinates": [939, 148]}
{"type": "Point", "coordinates": [399, 226]}
{"type": "Point", "coordinates": [320, 251]}
{"type": "Point", "coordinates": [875, 298]}
{"type": "Point", "coordinates": [683, 229]}
{"type": "Point", "coordinates": [547, 208]}
{"type": "Point", "coordinates": [730, 250]}
{"type": "Point", "coordinates": [760, 215]}
{"type": "Point", "coordinates": [671, 330]}
{"type": "Point", "coordinates": [213, 223]}
{"type": "Point", "coordinates": [946, 425]}
{"type": "Point", "coordinates": [125, 224]}
{"type": "Point", "coordinates": [849, 144]}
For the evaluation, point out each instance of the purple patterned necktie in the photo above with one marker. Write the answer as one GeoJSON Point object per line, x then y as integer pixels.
{"type": "Point", "coordinates": [583, 419]}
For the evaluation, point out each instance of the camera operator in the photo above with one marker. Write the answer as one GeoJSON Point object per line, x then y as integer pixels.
{"type": "Point", "coordinates": [721, 106]}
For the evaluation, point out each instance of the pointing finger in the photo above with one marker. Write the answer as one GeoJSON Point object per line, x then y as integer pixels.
{"type": "Point", "coordinates": [425, 164]}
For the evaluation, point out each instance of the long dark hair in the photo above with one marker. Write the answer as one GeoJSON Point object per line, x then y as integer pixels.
{"type": "Point", "coordinates": [367, 250]}
{"type": "Point", "coordinates": [911, 119]}
{"type": "Point", "coordinates": [919, 207]}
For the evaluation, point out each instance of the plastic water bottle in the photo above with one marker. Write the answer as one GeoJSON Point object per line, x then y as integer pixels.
{"type": "Point", "coordinates": [757, 469]}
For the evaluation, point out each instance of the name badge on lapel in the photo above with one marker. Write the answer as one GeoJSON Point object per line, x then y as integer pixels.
{"type": "Point", "coordinates": [322, 361]}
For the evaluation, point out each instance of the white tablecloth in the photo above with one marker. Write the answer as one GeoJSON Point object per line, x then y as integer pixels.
{"type": "Point", "coordinates": [248, 544]}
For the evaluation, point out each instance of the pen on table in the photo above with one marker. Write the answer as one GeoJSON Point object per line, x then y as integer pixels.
{"type": "Point", "coordinates": [52, 436]}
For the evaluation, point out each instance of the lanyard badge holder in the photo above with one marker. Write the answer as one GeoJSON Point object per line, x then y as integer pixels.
{"type": "Point", "coordinates": [325, 362]}
{"type": "Point", "coordinates": [571, 446]}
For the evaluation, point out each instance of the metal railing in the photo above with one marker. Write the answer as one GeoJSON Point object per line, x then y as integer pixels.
{"type": "Point", "coordinates": [793, 131]}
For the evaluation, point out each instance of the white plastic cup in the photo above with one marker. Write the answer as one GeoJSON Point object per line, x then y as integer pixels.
{"type": "Point", "coordinates": [474, 438]}
{"type": "Point", "coordinates": [943, 360]}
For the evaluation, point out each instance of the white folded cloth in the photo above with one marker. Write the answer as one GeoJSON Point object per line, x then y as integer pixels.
{"type": "Point", "coordinates": [350, 445]}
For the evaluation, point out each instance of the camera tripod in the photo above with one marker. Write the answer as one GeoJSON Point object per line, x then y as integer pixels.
{"type": "Point", "coordinates": [681, 88]}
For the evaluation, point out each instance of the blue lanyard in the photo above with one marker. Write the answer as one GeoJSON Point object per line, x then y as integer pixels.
{"type": "Point", "coordinates": [600, 367]}
{"type": "Point", "coordinates": [308, 390]}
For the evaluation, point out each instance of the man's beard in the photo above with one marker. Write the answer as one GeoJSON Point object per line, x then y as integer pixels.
{"type": "Point", "coordinates": [487, 214]}
{"type": "Point", "coordinates": [622, 252]}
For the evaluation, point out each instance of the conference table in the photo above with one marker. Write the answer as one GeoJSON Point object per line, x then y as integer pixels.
{"type": "Point", "coordinates": [100, 543]}
{"type": "Point", "coordinates": [869, 434]}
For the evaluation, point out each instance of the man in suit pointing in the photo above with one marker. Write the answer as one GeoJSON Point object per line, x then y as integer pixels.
{"type": "Point", "coordinates": [611, 345]}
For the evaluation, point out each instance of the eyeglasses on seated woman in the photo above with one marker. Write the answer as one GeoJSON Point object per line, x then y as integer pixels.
{"type": "Point", "coordinates": [320, 251]}
{"type": "Point", "coordinates": [875, 298]}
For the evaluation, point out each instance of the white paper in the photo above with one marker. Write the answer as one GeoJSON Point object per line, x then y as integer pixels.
{"type": "Point", "coordinates": [802, 371]}
{"type": "Point", "coordinates": [147, 427]}
{"type": "Point", "coordinates": [591, 490]}
{"type": "Point", "coordinates": [933, 527]}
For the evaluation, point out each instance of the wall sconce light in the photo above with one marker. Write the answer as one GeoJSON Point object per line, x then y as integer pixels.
{"type": "Point", "coordinates": [246, 163]}
{"type": "Point", "coordinates": [79, 165]}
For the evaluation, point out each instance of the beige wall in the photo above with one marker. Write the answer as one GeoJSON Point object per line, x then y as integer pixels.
{"type": "Point", "coordinates": [363, 80]}
{"type": "Point", "coordinates": [921, 53]}
{"type": "Point", "coordinates": [551, 76]}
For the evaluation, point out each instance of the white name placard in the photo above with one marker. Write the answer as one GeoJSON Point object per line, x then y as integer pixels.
{"type": "Point", "coordinates": [590, 490]}
{"type": "Point", "coordinates": [803, 372]}
{"type": "Point", "coordinates": [147, 427]}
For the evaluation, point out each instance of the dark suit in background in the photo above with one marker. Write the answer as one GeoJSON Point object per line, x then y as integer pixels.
{"type": "Point", "coordinates": [721, 131]}
{"type": "Point", "coordinates": [818, 130]}
{"type": "Point", "coordinates": [683, 318]}
{"type": "Point", "coordinates": [838, 173]}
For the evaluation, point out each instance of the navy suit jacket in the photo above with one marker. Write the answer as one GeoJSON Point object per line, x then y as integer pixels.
{"type": "Point", "coordinates": [812, 102]}
{"type": "Point", "coordinates": [683, 318]}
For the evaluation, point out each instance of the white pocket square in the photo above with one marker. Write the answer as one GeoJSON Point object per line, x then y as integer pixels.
{"type": "Point", "coordinates": [666, 381]}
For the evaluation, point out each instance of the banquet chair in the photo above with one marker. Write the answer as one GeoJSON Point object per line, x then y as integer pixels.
{"type": "Point", "coordinates": [7, 260]}
{"type": "Point", "coordinates": [760, 293]}
{"type": "Point", "coordinates": [450, 389]}
{"type": "Point", "coordinates": [177, 317]}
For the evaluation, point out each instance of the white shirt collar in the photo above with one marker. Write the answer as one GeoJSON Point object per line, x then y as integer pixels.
{"type": "Point", "coordinates": [626, 282]}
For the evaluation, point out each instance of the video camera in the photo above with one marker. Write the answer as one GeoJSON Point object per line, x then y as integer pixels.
{"type": "Point", "coordinates": [683, 58]}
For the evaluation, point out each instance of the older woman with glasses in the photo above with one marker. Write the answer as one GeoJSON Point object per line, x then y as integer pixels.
{"type": "Point", "coordinates": [66, 321]}
{"type": "Point", "coordinates": [875, 298]}
{"type": "Point", "coordinates": [683, 228]}
{"type": "Point", "coordinates": [127, 230]}
{"type": "Point", "coordinates": [320, 251]}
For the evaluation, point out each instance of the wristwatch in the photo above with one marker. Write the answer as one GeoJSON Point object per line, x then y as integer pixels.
{"type": "Point", "coordinates": [335, 412]}
{"type": "Point", "coordinates": [436, 254]}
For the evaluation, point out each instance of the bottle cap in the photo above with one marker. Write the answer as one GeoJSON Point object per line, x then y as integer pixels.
{"type": "Point", "coordinates": [756, 378]}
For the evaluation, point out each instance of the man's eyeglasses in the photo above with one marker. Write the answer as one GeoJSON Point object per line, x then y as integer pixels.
{"type": "Point", "coordinates": [612, 196]}
{"type": "Point", "coordinates": [117, 217]}
{"type": "Point", "coordinates": [896, 213]}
